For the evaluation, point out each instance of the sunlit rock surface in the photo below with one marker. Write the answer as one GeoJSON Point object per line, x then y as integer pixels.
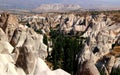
{"type": "Point", "coordinates": [22, 51]}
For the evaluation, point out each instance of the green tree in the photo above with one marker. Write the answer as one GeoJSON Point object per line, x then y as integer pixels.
{"type": "Point", "coordinates": [64, 52]}
{"type": "Point", "coordinates": [115, 71]}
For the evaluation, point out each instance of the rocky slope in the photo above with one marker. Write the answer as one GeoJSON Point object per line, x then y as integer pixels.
{"type": "Point", "coordinates": [101, 50]}
{"type": "Point", "coordinates": [100, 42]}
{"type": "Point", "coordinates": [22, 50]}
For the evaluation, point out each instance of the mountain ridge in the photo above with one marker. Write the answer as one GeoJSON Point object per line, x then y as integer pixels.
{"type": "Point", "coordinates": [56, 7]}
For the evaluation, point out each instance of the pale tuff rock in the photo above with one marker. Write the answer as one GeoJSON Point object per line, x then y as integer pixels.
{"type": "Point", "coordinates": [3, 36]}
{"type": "Point", "coordinates": [8, 67]}
{"type": "Point", "coordinates": [8, 23]}
{"type": "Point", "coordinates": [85, 55]}
{"type": "Point", "coordinates": [117, 63]}
{"type": "Point", "coordinates": [3, 19]}
{"type": "Point", "coordinates": [42, 69]}
{"type": "Point", "coordinates": [5, 59]}
{"type": "Point", "coordinates": [15, 53]}
{"type": "Point", "coordinates": [70, 21]}
{"type": "Point", "coordinates": [5, 47]}
{"type": "Point", "coordinates": [79, 28]}
{"type": "Point", "coordinates": [110, 64]}
{"type": "Point", "coordinates": [24, 35]}
{"type": "Point", "coordinates": [19, 37]}
{"type": "Point", "coordinates": [28, 51]}
{"type": "Point", "coordinates": [37, 43]}
{"type": "Point", "coordinates": [88, 68]}
{"type": "Point", "coordinates": [100, 38]}
{"type": "Point", "coordinates": [101, 34]}
{"type": "Point", "coordinates": [27, 46]}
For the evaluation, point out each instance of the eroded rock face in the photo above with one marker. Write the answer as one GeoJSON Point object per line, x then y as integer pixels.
{"type": "Point", "coordinates": [8, 23]}
{"type": "Point", "coordinates": [3, 36]}
{"type": "Point", "coordinates": [110, 64]}
{"type": "Point", "coordinates": [22, 50]}
{"type": "Point", "coordinates": [42, 69]}
{"type": "Point", "coordinates": [88, 68]}
{"type": "Point", "coordinates": [5, 47]}
{"type": "Point", "coordinates": [19, 37]}
{"type": "Point", "coordinates": [3, 20]}
{"type": "Point", "coordinates": [8, 66]}
{"type": "Point", "coordinates": [100, 31]}
{"type": "Point", "coordinates": [26, 60]}
{"type": "Point", "coordinates": [100, 38]}
{"type": "Point", "coordinates": [27, 36]}
{"type": "Point", "coordinates": [117, 63]}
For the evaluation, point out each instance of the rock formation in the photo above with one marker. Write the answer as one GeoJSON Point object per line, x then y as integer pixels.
{"type": "Point", "coordinates": [98, 45]}
{"type": "Point", "coordinates": [22, 50]}
{"type": "Point", "coordinates": [101, 35]}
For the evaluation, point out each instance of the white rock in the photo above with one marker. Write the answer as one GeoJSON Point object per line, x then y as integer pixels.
{"type": "Point", "coordinates": [5, 47]}
{"type": "Point", "coordinates": [117, 63]}
{"type": "Point", "coordinates": [42, 69]}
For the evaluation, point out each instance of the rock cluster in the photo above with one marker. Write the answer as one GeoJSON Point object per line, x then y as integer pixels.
{"type": "Point", "coordinates": [66, 23]}
{"type": "Point", "coordinates": [22, 50]}
{"type": "Point", "coordinates": [101, 34]}
{"type": "Point", "coordinates": [98, 47]}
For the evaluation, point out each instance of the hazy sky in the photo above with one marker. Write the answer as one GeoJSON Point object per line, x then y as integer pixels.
{"type": "Point", "coordinates": [83, 3]}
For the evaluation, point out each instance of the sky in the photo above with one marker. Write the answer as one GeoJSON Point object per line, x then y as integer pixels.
{"type": "Point", "coordinates": [30, 4]}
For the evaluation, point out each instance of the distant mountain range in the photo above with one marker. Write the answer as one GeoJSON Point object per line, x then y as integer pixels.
{"type": "Point", "coordinates": [31, 4]}
{"type": "Point", "coordinates": [45, 8]}
{"type": "Point", "coordinates": [56, 8]}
